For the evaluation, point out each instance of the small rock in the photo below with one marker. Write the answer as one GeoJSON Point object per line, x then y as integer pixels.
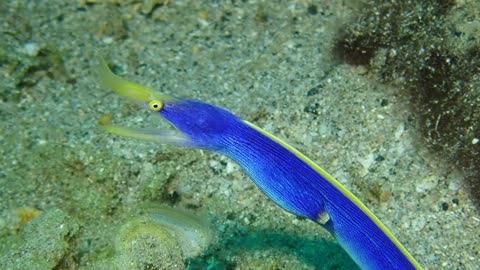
{"type": "Point", "coordinates": [31, 48]}
{"type": "Point", "coordinates": [427, 184]}
{"type": "Point", "coordinates": [419, 223]}
{"type": "Point", "coordinates": [230, 168]}
{"type": "Point", "coordinates": [213, 163]}
{"type": "Point", "coordinates": [46, 240]}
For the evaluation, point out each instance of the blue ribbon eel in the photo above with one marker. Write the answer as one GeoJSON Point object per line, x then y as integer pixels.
{"type": "Point", "coordinates": [286, 176]}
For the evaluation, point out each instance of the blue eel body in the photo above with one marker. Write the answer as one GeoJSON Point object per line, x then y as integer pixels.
{"type": "Point", "coordinates": [285, 175]}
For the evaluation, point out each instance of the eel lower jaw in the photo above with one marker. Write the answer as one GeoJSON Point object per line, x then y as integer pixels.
{"type": "Point", "coordinates": [153, 135]}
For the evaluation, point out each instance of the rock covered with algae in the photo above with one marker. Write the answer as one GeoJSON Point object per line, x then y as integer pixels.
{"type": "Point", "coordinates": [160, 238]}
{"type": "Point", "coordinates": [42, 243]}
{"type": "Point", "coordinates": [144, 243]}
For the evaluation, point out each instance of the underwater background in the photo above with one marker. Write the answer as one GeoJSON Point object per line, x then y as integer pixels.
{"type": "Point", "coordinates": [384, 95]}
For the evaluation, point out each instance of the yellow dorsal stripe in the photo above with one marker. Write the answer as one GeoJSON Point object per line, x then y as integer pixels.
{"type": "Point", "coordinates": [342, 189]}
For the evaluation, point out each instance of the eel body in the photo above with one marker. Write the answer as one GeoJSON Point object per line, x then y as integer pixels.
{"type": "Point", "coordinates": [286, 176]}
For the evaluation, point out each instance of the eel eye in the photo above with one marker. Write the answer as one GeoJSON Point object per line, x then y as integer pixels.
{"type": "Point", "coordinates": [155, 105]}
